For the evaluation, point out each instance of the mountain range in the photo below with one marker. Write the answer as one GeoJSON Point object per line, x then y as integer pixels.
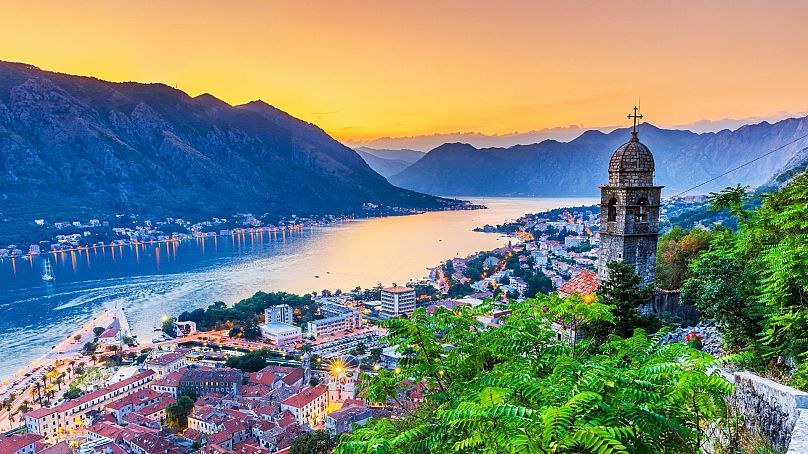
{"type": "Point", "coordinates": [576, 168]}
{"type": "Point", "coordinates": [389, 162]}
{"type": "Point", "coordinates": [79, 147]}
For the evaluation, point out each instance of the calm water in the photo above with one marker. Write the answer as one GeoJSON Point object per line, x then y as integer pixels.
{"type": "Point", "coordinates": [152, 281]}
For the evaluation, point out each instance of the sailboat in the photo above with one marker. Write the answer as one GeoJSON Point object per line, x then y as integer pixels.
{"type": "Point", "coordinates": [47, 275]}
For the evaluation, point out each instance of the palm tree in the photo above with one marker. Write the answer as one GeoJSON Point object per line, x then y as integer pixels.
{"type": "Point", "coordinates": [59, 380]}
{"type": "Point", "coordinates": [35, 391]}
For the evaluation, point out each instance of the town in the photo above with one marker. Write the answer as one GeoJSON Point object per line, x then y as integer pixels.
{"type": "Point", "coordinates": [292, 371]}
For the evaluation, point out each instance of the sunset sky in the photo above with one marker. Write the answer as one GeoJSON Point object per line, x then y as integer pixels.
{"type": "Point", "coordinates": [364, 70]}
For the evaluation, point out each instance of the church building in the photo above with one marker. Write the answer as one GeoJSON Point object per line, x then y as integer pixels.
{"type": "Point", "coordinates": [629, 210]}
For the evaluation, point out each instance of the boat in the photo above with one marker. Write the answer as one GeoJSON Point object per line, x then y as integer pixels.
{"type": "Point", "coordinates": [47, 275]}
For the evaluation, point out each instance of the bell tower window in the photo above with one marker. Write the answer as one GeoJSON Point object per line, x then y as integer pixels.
{"type": "Point", "coordinates": [611, 210]}
{"type": "Point", "coordinates": [642, 213]}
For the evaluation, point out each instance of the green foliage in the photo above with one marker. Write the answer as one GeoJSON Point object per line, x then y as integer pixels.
{"type": "Point", "coordinates": [249, 362]}
{"type": "Point", "coordinates": [538, 284]}
{"type": "Point", "coordinates": [248, 311]}
{"type": "Point", "coordinates": [169, 328]}
{"type": "Point", "coordinates": [622, 291]}
{"type": "Point", "coordinates": [755, 281]}
{"type": "Point", "coordinates": [98, 330]}
{"type": "Point", "coordinates": [73, 391]}
{"type": "Point", "coordinates": [516, 389]}
{"type": "Point", "coordinates": [675, 251]}
{"type": "Point", "coordinates": [177, 413]}
{"type": "Point", "coordinates": [317, 442]}
{"type": "Point", "coordinates": [459, 290]}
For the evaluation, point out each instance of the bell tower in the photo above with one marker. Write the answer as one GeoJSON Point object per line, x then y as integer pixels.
{"type": "Point", "coordinates": [629, 210]}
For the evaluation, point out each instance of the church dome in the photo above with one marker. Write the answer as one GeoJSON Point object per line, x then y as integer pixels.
{"type": "Point", "coordinates": [349, 362]}
{"type": "Point", "coordinates": [632, 156]}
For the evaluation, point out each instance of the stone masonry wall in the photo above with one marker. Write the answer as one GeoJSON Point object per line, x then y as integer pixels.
{"type": "Point", "coordinates": [775, 412]}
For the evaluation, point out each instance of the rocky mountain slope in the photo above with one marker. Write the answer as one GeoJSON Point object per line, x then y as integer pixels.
{"type": "Point", "coordinates": [78, 147]}
{"type": "Point", "coordinates": [389, 162]}
{"type": "Point", "coordinates": [576, 168]}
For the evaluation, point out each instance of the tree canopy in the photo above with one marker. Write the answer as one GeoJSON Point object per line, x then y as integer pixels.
{"type": "Point", "coordinates": [516, 388]}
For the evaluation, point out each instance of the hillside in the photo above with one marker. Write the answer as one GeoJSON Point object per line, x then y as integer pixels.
{"type": "Point", "coordinates": [389, 162]}
{"type": "Point", "coordinates": [78, 147]}
{"type": "Point", "coordinates": [576, 168]}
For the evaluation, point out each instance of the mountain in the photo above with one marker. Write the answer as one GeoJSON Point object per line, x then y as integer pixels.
{"type": "Point", "coordinates": [76, 147]}
{"type": "Point", "coordinates": [576, 168]}
{"type": "Point", "coordinates": [388, 162]}
{"type": "Point", "coordinates": [403, 154]}
{"type": "Point", "coordinates": [794, 167]}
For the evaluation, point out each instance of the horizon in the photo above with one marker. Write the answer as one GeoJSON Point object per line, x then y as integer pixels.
{"type": "Point", "coordinates": [426, 143]}
{"type": "Point", "coordinates": [519, 73]}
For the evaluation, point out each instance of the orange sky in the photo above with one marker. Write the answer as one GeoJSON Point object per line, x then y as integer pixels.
{"type": "Point", "coordinates": [362, 70]}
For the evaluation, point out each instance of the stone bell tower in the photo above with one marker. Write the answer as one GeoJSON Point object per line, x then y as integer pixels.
{"type": "Point", "coordinates": [629, 210]}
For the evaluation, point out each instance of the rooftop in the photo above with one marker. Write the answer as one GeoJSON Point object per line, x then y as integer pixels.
{"type": "Point", "coordinates": [278, 327]}
{"type": "Point", "coordinates": [18, 441]}
{"type": "Point", "coordinates": [306, 396]}
{"type": "Point", "coordinates": [583, 283]}
{"type": "Point", "coordinates": [41, 412]}
{"type": "Point", "coordinates": [398, 289]}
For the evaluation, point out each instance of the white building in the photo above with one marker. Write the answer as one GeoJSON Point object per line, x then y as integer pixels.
{"type": "Point", "coordinates": [336, 324]}
{"type": "Point", "coordinates": [397, 301]}
{"type": "Point", "coordinates": [63, 419]}
{"type": "Point", "coordinates": [282, 313]}
{"type": "Point", "coordinates": [281, 333]}
{"type": "Point", "coordinates": [308, 406]}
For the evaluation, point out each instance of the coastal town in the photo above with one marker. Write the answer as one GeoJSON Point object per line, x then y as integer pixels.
{"type": "Point", "coordinates": [102, 390]}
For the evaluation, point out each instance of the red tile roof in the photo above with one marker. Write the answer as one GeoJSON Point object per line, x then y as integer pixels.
{"type": "Point", "coordinates": [109, 333]}
{"type": "Point", "coordinates": [168, 358]}
{"type": "Point", "coordinates": [106, 429]}
{"type": "Point", "coordinates": [16, 442]}
{"type": "Point", "coordinates": [138, 397]}
{"type": "Point", "coordinates": [583, 283]}
{"type": "Point", "coordinates": [157, 406]}
{"type": "Point", "coordinates": [294, 376]}
{"type": "Point", "coordinates": [41, 412]}
{"type": "Point", "coordinates": [262, 378]}
{"type": "Point", "coordinates": [306, 396]}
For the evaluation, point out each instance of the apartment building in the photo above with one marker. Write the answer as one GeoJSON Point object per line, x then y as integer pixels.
{"type": "Point", "coordinates": [397, 301]}
{"type": "Point", "coordinates": [65, 418]}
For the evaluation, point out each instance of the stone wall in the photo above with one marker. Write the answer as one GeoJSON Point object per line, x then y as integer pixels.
{"type": "Point", "coordinates": [775, 412]}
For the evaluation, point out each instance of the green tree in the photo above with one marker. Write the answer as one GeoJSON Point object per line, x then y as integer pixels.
{"type": "Point", "coordinates": [98, 330]}
{"type": "Point", "coordinates": [516, 389]}
{"type": "Point", "coordinates": [538, 284]}
{"type": "Point", "coordinates": [755, 280]}
{"type": "Point", "coordinates": [375, 355]}
{"type": "Point", "coordinates": [177, 413]}
{"type": "Point", "coordinates": [317, 442]}
{"type": "Point", "coordinates": [622, 291]}
{"type": "Point", "coordinates": [675, 251]}
{"type": "Point", "coordinates": [249, 362]}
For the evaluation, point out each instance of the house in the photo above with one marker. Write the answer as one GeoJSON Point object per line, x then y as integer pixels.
{"type": "Point", "coordinates": [308, 406]}
{"type": "Point", "coordinates": [341, 421]}
{"type": "Point", "coordinates": [202, 381]}
{"type": "Point", "coordinates": [65, 417]}
{"type": "Point", "coordinates": [111, 337]}
{"type": "Point", "coordinates": [19, 443]}
{"type": "Point", "coordinates": [166, 363]}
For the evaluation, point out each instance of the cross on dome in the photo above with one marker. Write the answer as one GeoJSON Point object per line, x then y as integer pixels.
{"type": "Point", "coordinates": [636, 117]}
